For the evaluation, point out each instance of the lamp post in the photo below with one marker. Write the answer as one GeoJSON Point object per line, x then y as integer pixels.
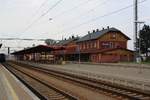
{"type": "Point", "coordinates": [139, 46]}
{"type": "Point", "coordinates": [78, 51]}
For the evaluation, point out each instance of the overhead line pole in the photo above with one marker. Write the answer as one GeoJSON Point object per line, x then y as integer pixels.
{"type": "Point", "coordinates": [135, 29]}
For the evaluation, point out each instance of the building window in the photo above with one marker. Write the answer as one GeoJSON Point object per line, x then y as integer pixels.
{"type": "Point", "coordinates": [80, 46]}
{"type": "Point", "coordinates": [83, 46]}
{"type": "Point", "coordinates": [111, 45]}
{"type": "Point", "coordinates": [113, 36]}
{"type": "Point", "coordinates": [107, 45]}
{"type": "Point", "coordinates": [91, 45]}
{"type": "Point", "coordinates": [95, 44]}
{"type": "Point", "coordinates": [121, 44]}
{"type": "Point", "coordinates": [87, 45]}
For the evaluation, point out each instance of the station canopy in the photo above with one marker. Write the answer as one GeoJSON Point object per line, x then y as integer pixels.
{"type": "Point", "coordinates": [39, 49]}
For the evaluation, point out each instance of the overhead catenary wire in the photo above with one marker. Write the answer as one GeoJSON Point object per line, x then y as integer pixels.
{"type": "Point", "coordinates": [75, 7]}
{"type": "Point", "coordinates": [42, 5]}
{"type": "Point", "coordinates": [36, 20]}
{"type": "Point", "coordinates": [36, 12]}
{"type": "Point", "coordinates": [85, 2]}
{"type": "Point", "coordinates": [108, 14]}
{"type": "Point", "coordinates": [26, 39]}
{"type": "Point", "coordinates": [97, 18]}
{"type": "Point", "coordinates": [90, 10]}
{"type": "Point", "coordinates": [71, 9]}
{"type": "Point", "coordinates": [102, 16]}
{"type": "Point", "coordinates": [51, 8]}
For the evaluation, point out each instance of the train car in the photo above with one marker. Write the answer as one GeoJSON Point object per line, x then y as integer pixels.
{"type": "Point", "coordinates": [2, 57]}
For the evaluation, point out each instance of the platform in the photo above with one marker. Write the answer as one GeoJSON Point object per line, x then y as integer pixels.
{"type": "Point", "coordinates": [12, 89]}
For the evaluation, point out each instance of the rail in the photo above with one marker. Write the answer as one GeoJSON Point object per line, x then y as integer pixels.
{"type": "Point", "coordinates": [66, 94]}
{"type": "Point", "coordinates": [145, 86]}
{"type": "Point", "coordinates": [96, 84]}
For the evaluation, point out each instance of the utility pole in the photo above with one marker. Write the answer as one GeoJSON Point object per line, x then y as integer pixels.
{"type": "Point", "coordinates": [135, 28]}
{"type": "Point", "coordinates": [139, 41]}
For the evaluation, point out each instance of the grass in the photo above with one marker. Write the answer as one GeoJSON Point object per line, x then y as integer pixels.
{"type": "Point", "coordinates": [144, 62]}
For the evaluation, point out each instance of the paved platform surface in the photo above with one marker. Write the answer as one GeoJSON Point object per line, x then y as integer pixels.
{"type": "Point", "coordinates": [130, 75]}
{"type": "Point", "coordinates": [12, 89]}
{"type": "Point", "coordinates": [136, 73]}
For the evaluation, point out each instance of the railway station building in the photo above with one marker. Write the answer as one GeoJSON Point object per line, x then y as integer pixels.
{"type": "Point", "coordinates": [99, 46]}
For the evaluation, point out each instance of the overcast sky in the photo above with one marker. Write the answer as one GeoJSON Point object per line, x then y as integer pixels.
{"type": "Point", "coordinates": [43, 19]}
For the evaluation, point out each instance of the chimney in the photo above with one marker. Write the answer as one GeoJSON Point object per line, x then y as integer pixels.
{"type": "Point", "coordinates": [97, 30]}
{"type": "Point", "coordinates": [73, 37]}
{"type": "Point", "coordinates": [93, 31]}
{"type": "Point", "coordinates": [90, 36]}
{"type": "Point", "coordinates": [107, 27]}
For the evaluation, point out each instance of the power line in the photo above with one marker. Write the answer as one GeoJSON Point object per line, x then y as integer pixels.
{"type": "Point", "coordinates": [12, 47]}
{"type": "Point", "coordinates": [35, 14]}
{"type": "Point", "coordinates": [105, 15]}
{"type": "Point", "coordinates": [52, 7]}
{"type": "Point", "coordinates": [75, 7]}
{"type": "Point", "coordinates": [70, 10]}
{"type": "Point", "coordinates": [21, 39]}
{"type": "Point", "coordinates": [42, 5]}
{"type": "Point", "coordinates": [91, 10]}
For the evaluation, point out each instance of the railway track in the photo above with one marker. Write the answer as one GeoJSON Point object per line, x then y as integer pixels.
{"type": "Point", "coordinates": [42, 89]}
{"type": "Point", "coordinates": [113, 90]}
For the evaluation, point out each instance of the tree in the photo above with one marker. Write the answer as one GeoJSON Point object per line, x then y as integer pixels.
{"type": "Point", "coordinates": [50, 41]}
{"type": "Point", "coordinates": [145, 40]}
